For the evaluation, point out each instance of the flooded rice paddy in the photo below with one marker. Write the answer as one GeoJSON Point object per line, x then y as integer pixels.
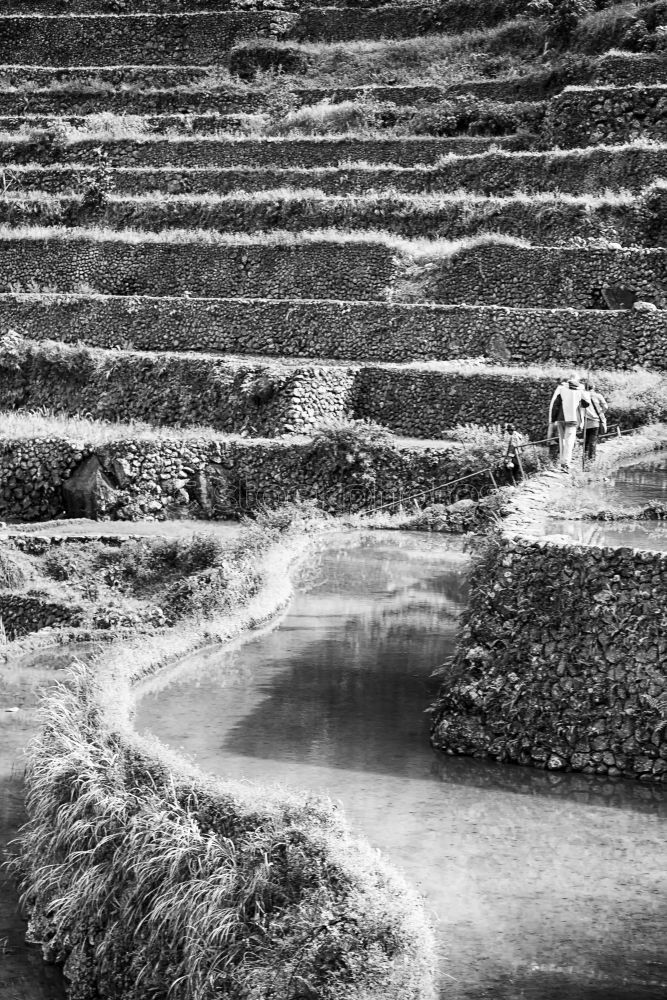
{"type": "Point", "coordinates": [540, 885]}
{"type": "Point", "coordinates": [638, 483]}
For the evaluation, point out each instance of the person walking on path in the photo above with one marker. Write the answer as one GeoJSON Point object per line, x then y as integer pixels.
{"type": "Point", "coordinates": [595, 419]}
{"type": "Point", "coordinates": [566, 411]}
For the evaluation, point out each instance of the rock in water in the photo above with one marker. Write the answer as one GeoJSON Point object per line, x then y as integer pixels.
{"type": "Point", "coordinates": [89, 492]}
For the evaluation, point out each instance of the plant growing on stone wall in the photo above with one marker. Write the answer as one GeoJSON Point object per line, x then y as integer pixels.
{"type": "Point", "coordinates": [346, 450]}
{"type": "Point", "coordinates": [12, 576]}
{"type": "Point", "coordinates": [562, 17]}
{"type": "Point", "coordinates": [327, 117]}
{"type": "Point", "coordinates": [99, 183]}
{"type": "Point", "coordinates": [247, 59]}
{"type": "Point", "coordinates": [486, 446]}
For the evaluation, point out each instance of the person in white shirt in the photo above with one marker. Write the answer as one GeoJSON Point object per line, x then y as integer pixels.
{"type": "Point", "coordinates": [566, 409]}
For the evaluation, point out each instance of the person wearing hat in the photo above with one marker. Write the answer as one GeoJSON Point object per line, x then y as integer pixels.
{"type": "Point", "coordinates": [566, 409]}
{"type": "Point", "coordinates": [595, 418]}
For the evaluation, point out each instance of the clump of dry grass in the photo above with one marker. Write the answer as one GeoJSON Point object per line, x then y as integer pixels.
{"type": "Point", "coordinates": [144, 877]}
{"type": "Point", "coordinates": [12, 575]}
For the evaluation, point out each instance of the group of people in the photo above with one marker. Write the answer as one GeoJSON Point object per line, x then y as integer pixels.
{"type": "Point", "coordinates": [576, 406]}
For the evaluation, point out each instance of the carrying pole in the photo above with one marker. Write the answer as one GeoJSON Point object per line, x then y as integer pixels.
{"type": "Point", "coordinates": [583, 438]}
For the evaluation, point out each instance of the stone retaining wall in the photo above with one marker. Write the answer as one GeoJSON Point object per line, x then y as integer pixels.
{"type": "Point", "coordinates": [185, 390]}
{"type": "Point", "coordinates": [303, 269]}
{"type": "Point", "coordinates": [237, 152]}
{"type": "Point", "coordinates": [353, 331]}
{"type": "Point", "coordinates": [224, 99]}
{"type": "Point", "coordinates": [624, 69]}
{"type": "Point", "coordinates": [500, 274]}
{"type": "Point", "coordinates": [481, 274]}
{"type": "Point", "coordinates": [100, 40]}
{"type": "Point", "coordinates": [574, 172]}
{"type": "Point", "coordinates": [561, 661]}
{"type": "Point", "coordinates": [543, 223]}
{"type": "Point", "coordinates": [197, 477]}
{"type": "Point", "coordinates": [583, 116]}
{"type": "Point", "coordinates": [203, 38]}
{"type": "Point", "coordinates": [428, 403]}
{"type": "Point", "coordinates": [173, 390]}
{"type": "Point", "coordinates": [24, 613]}
{"type": "Point", "coordinates": [457, 15]}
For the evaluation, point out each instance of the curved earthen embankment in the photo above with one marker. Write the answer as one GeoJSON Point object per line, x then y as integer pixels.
{"type": "Point", "coordinates": [28, 666]}
{"type": "Point", "coordinates": [379, 923]}
{"type": "Point", "coordinates": [560, 662]}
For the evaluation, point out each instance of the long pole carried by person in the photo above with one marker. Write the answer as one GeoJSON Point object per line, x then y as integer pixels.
{"type": "Point", "coordinates": [583, 438]}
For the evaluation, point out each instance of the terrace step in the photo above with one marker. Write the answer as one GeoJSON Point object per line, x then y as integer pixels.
{"type": "Point", "coordinates": [483, 13]}
{"type": "Point", "coordinates": [488, 271]}
{"type": "Point", "coordinates": [134, 264]}
{"type": "Point", "coordinates": [104, 82]}
{"type": "Point", "coordinates": [250, 396]}
{"type": "Point", "coordinates": [203, 37]}
{"type": "Point", "coordinates": [174, 124]}
{"type": "Point", "coordinates": [351, 331]}
{"type": "Point", "coordinates": [138, 76]}
{"type": "Point", "coordinates": [581, 116]}
{"type": "Point", "coordinates": [545, 220]}
{"type": "Point", "coordinates": [229, 99]}
{"type": "Point", "coordinates": [203, 151]}
{"type": "Point", "coordinates": [630, 168]}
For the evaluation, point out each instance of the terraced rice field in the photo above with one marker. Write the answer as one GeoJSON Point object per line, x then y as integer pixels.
{"type": "Point", "coordinates": [404, 184]}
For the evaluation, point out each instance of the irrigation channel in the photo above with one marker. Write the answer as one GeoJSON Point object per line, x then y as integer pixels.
{"type": "Point", "coordinates": [540, 885]}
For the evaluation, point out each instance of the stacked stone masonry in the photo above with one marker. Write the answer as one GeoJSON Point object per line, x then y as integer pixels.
{"type": "Point", "coordinates": [203, 38]}
{"type": "Point", "coordinates": [502, 174]}
{"type": "Point", "coordinates": [640, 222]}
{"type": "Point", "coordinates": [352, 331]}
{"type": "Point", "coordinates": [607, 115]}
{"type": "Point", "coordinates": [496, 273]}
{"type": "Point", "coordinates": [573, 684]}
{"type": "Point", "coordinates": [459, 15]}
{"type": "Point", "coordinates": [210, 477]}
{"type": "Point", "coordinates": [186, 390]}
{"type": "Point", "coordinates": [22, 613]}
{"type": "Point", "coordinates": [321, 151]}
{"type": "Point", "coordinates": [290, 270]}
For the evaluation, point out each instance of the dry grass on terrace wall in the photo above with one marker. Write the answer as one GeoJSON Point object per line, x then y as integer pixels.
{"type": "Point", "coordinates": [629, 167]}
{"type": "Point", "coordinates": [545, 219]}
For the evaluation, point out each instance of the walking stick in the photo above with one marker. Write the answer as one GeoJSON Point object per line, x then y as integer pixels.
{"type": "Point", "coordinates": [583, 437]}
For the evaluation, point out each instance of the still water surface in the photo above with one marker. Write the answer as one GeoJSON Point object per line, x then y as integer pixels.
{"type": "Point", "coordinates": [641, 480]}
{"type": "Point", "coordinates": [638, 482]}
{"type": "Point", "coordinates": [541, 885]}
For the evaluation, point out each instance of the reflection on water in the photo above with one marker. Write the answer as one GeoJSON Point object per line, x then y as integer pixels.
{"type": "Point", "coordinates": [635, 534]}
{"type": "Point", "coordinates": [541, 885]}
{"type": "Point", "coordinates": [636, 484]}
{"type": "Point", "coordinates": [640, 481]}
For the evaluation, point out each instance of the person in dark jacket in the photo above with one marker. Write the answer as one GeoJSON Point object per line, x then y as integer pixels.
{"type": "Point", "coordinates": [595, 421]}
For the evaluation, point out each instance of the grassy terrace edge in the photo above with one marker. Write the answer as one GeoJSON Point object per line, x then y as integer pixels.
{"type": "Point", "coordinates": [216, 885]}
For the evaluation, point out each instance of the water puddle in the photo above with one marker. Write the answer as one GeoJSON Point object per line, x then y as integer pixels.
{"type": "Point", "coordinates": [541, 885]}
{"type": "Point", "coordinates": [633, 534]}
{"type": "Point", "coordinates": [640, 481]}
